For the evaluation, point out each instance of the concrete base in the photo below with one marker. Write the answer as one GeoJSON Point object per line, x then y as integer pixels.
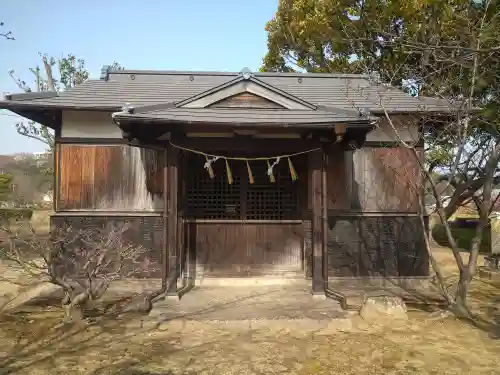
{"type": "Point", "coordinates": [250, 281]}
{"type": "Point", "coordinates": [315, 326]}
{"type": "Point", "coordinates": [319, 297]}
{"type": "Point", "coordinates": [248, 304]}
{"type": "Point", "coordinates": [381, 282]}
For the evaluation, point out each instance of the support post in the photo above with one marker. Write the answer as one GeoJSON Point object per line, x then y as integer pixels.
{"type": "Point", "coordinates": [349, 176]}
{"type": "Point", "coordinates": [56, 156]}
{"type": "Point", "coordinates": [316, 161]}
{"type": "Point", "coordinates": [171, 213]}
{"type": "Point", "coordinates": [164, 265]}
{"type": "Point", "coordinates": [324, 215]}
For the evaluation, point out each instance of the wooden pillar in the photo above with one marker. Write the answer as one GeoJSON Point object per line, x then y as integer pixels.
{"type": "Point", "coordinates": [171, 217]}
{"type": "Point", "coordinates": [349, 176]}
{"type": "Point", "coordinates": [315, 164]}
{"type": "Point", "coordinates": [56, 185]}
{"type": "Point", "coordinates": [324, 214]}
{"type": "Point", "coordinates": [164, 255]}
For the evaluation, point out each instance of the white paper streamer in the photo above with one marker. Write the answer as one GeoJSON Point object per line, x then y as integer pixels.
{"type": "Point", "coordinates": [208, 163]}
{"type": "Point", "coordinates": [270, 169]}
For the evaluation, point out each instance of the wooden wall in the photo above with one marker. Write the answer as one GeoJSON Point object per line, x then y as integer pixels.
{"type": "Point", "coordinates": [246, 100]}
{"type": "Point", "coordinates": [245, 249]}
{"type": "Point", "coordinates": [337, 197]}
{"type": "Point", "coordinates": [114, 177]}
{"type": "Point", "coordinates": [386, 179]}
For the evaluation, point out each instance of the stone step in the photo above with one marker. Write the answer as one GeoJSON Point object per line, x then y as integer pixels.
{"type": "Point", "coordinates": [325, 326]}
{"type": "Point", "coordinates": [285, 279]}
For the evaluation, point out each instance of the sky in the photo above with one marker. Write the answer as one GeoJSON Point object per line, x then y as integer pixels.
{"type": "Point", "coordinates": [224, 35]}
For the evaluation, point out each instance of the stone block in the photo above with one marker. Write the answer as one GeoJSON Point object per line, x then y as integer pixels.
{"type": "Point", "coordinates": [384, 310]}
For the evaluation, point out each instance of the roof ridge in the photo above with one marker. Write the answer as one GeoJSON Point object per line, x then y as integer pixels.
{"type": "Point", "coordinates": [230, 74]}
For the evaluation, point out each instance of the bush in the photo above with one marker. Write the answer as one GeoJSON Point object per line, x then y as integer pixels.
{"type": "Point", "coordinates": [463, 237]}
{"type": "Point", "coordinates": [17, 214]}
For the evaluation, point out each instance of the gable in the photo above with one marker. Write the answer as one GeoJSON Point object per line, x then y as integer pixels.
{"type": "Point", "coordinates": [245, 100]}
{"type": "Point", "coordinates": [243, 85]}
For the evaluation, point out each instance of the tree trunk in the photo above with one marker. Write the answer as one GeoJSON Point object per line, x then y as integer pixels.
{"type": "Point", "coordinates": [460, 308]}
{"type": "Point", "coordinates": [73, 306]}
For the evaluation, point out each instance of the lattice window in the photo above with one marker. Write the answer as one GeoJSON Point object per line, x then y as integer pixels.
{"type": "Point", "coordinates": [268, 200]}
{"type": "Point", "coordinates": [215, 198]}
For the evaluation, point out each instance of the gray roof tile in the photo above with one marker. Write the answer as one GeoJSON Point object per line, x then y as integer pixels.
{"type": "Point", "coordinates": [149, 87]}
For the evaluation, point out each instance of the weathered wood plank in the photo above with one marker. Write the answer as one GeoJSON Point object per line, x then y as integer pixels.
{"type": "Point", "coordinates": [386, 179]}
{"type": "Point", "coordinates": [109, 177]}
{"type": "Point", "coordinates": [337, 195]}
{"type": "Point", "coordinates": [245, 249]}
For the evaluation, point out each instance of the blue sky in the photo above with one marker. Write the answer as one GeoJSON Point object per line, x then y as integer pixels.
{"type": "Point", "coordinates": [168, 35]}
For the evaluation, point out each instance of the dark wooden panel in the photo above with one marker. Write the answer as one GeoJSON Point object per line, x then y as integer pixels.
{"type": "Point", "coordinates": [336, 180]}
{"type": "Point", "coordinates": [376, 246]}
{"type": "Point", "coordinates": [144, 231]}
{"type": "Point", "coordinates": [246, 100]}
{"type": "Point", "coordinates": [114, 177]}
{"type": "Point", "coordinates": [308, 257]}
{"type": "Point", "coordinates": [386, 179]}
{"type": "Point", "coordinates": [245, 249]}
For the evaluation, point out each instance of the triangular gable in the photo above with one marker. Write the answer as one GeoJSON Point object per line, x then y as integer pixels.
{"type": "Point", "coordinates": [242, 85]}
{"type": "Point", "coordinates": [246, 100]}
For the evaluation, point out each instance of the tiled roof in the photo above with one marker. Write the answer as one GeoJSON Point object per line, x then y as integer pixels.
{"type": "Point", "coordinates": [139, 88]}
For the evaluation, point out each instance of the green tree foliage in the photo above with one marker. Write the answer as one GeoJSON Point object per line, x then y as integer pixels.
{"type": "Point", "coordinates": [71, 71]}
{"type": "Point", "coordinates": [447, 48]}
{"type": "Point", "coordinates": [431, 41]}
{"type": "Point", "coordinates": [56, 75]}
{"type": "Point", "coordinates": [5, 186]}
{"type": "Point", "coordinates": [31, 178]}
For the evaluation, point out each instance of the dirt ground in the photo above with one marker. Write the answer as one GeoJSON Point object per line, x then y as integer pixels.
{"type": "Point", "coordinates": [33, 341]}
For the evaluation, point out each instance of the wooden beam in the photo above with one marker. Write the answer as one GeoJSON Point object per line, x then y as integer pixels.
{"type": "Point", "coordinates": [172, 211]}
{"type": "Point", "coordinates": [164, 270]}
{"type": "Point", "coordinates": [349, 177]}
{"type": "Point", "coordinates": [56, 183]}
{"type": "Point", "coordinates": [316, 161]}
{"type": "Point", "coordinates": [324, 215]}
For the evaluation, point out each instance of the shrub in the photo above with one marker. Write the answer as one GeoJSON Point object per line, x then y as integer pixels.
{"type": "Point", "coordinates": [463, 237]}
{"type": "Point", "coordinates": [83, 263]}
{"type": "Point", "coordinates": [8, 214]}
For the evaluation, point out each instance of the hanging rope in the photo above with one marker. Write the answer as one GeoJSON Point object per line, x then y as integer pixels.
{"type": "Point", "coordinates": [240, 158]}
{"type": "Point", "coordinates": [210, 159]}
